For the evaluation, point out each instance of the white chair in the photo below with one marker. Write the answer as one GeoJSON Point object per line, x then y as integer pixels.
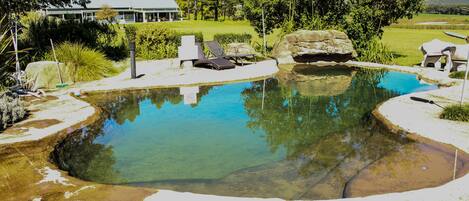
{"type": "Point", "coordinates": [188, 51]}
{"type": "Point", "coordinates": [436, 49]}
{"type": "Point", "coordinates": [460, 56]}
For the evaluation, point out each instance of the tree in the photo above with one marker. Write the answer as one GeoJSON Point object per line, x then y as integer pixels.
{"type": "Point", "coordinates": [9, 7]}
{"type": "Point", "coordinates": [195, 9]}
{"type": "Point", "coordinates": [215, 6]}
{"type": "Point", "coordinates": [362, 20]}
{"type": "Point", "coordinates": [106, 13]}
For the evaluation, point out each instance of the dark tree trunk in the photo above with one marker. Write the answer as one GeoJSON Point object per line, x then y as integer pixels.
{"type": "Point", "coordinates": [216, 10]}
{"type": "Point", "coordinates": [195, 9]}
{"type": "Point", "coordinates": [188, 15]}
{"type": "Point", "coordinates": [202, 17]}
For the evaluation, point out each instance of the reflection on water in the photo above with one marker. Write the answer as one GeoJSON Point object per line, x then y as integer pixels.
{"type": "Point", "coordinates": [189, 94]}
{"type": "Point", "coordinates": [259, 139]}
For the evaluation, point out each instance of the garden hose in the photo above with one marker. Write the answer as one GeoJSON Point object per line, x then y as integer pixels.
{"type": "Point", "coordinates": [423, 100]}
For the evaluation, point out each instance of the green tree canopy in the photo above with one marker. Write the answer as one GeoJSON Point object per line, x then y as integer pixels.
{"type": "Point", "coordinates": [106, 13]}
{"type": "Point", "coordinates": [362, 20]}
{"type": "Point", "coordinates": [20, 6]}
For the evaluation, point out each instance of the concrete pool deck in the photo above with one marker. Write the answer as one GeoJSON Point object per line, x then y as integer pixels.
{"type": "Point", "coordinates": [71, 114]}
{"type": "Point", "coordinates": [167, 73]}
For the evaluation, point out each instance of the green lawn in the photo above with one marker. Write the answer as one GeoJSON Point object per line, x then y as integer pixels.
{"type": "Point", "coordinates": [450, 19]}
{"type": "Point", "coordinates": [405, 42]}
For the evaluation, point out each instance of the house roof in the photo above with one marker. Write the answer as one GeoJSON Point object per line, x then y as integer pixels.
{"type": "Point", "coordinates": [136, 4]}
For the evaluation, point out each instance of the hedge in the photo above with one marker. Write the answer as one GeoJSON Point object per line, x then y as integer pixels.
{"type": "Point", "coordinates": [225, 39]}
{"type": "Point", "coordinates": [159, 42]}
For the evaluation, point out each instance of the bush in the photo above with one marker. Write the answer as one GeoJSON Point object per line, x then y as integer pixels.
{"type": "Point", "coordinates": [37, 34]}
{"type": "Point", "coordinates": [114, 45]}
{"type": "Point", "coordinates": [458, 75]}
{"type": "Point", "coordinates": [11, 110]}
{"type": "Point", "coordinates": [228, 38]}
{"type": "Point", "coordinates": [159, 42]}
{"type": "Point", "coordinates": [375, 51]}
{"type": "Point", "coordinates": [83, 63]}
{"type": "Point", "coordinates": [456, 113]}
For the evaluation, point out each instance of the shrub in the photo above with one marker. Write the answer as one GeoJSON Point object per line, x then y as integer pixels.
{"type": "Point", "coordinates": [38, 32]}
{"type": "Point", "coordinates": [115, 45]}
{"type": "Point", "coordinates": [458, 75]}
{"type": "Point", "coordinates": [456, 113]}
{"type": "Point", "coordinates": [11, 110]}
{"type": "Point", "coordinates": [159, 42]}
{"type": "Point", "coordinates": [375, 51]}
{"type": "Point", "coordinates": [83, 63]}
{"type": "Point", "coordinates": [228, 38]}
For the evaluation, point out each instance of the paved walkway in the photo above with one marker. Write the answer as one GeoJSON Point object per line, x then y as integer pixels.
{"type": "Point", "coordinates": [166, 73]}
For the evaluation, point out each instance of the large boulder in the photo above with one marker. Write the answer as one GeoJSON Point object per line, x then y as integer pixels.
{"type": "Point", "coordinates": [44, 74]}
{"type": "Point", "coordinates": [311, 46]}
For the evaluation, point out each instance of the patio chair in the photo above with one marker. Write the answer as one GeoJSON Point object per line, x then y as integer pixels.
{"type": "Point", "coordinates": [434, 51]}
{"type": "Point", "coordinates": [217, 50]}
{"type": "Point", "coordinates": [460, 56]}
{"type": "Point", "coordinates": [217, 63]}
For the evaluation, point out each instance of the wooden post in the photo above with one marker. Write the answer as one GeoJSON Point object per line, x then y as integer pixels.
{"type": "Point", "coordinates": [133, 65]}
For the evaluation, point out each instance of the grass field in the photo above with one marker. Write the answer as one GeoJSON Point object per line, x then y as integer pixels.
{"type": "Point", "coordinates": [403, 42]}
{"type": "Point", "coordinates": [450, 19]}
{"type": "Point", "coordinates": [434, 21]}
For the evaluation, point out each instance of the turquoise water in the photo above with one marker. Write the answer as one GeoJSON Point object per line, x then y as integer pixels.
{"type": "Point", "coordinates": [264, 138]}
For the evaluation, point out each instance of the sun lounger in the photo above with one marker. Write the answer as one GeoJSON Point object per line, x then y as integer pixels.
{"type": "Point", "coordinates": [434, 51]}
{"type": "Point", "coordinates": [460, 56]}
{"type": "Point", "coordinates": [217, 63]}
{"type": "Point", "coordinates": [217, 50]}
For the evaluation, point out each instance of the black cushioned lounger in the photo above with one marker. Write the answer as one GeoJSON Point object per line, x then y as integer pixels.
{"type": "Point", "coordinates": [217, 63]}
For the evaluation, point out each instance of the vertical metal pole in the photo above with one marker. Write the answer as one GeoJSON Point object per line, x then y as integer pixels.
{"type": "Point", "coordinates": [263, 94]}
{"type": "Point", "coordinates": [263, 32]}
{"type": "Point", "coordinates": [133, 65]}
{"type": "Point", "coordinates": [465, 78]}
{"type": "Point", "coordinates": [15, 44]}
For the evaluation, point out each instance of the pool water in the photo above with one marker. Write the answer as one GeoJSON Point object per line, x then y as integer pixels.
{"type": "Point", "coordinates": [265, 138]}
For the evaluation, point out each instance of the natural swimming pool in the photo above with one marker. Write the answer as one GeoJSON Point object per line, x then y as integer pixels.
{"type": "Point", "coordinates": [307, 139]}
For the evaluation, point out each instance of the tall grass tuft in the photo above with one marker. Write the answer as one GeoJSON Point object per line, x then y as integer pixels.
{"type": "Point", "coordinates": [6, 54]}
{"type": "Point", "coordinates": [456, 113]}
{"type": "Point", "coordinates": [83, 63]}
{"type": "Point", "coordinates": [458, 75]}
{"type": "Point", "coordinates": [376, 52]}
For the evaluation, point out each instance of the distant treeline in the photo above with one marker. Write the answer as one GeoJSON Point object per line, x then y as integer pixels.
{"type": "Point", "coordinates": [447, 9]}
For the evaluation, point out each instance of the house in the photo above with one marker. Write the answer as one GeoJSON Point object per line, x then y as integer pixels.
{"type": "Point", "coordinates": [128, 10]}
